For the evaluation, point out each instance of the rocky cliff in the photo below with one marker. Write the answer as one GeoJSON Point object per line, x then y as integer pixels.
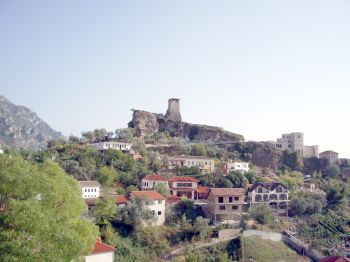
{"type": "Point", "coordinates": [22, 128]}
{"type": "Point", "coordinates": [146, 123]}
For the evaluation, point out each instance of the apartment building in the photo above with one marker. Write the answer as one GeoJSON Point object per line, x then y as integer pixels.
{"type": "Point", "coordinates": [205, 164]}
{"type": "Point", "coordinates": [184, 186]}
{"type": "Point", "coordinates": [102, 146]}
{"type": "Point", "coordinates": [150, 181]}
{"type": "Point", "coordinates": [90, 189]}
{"type": "Point", "coordinates": [231, 165]}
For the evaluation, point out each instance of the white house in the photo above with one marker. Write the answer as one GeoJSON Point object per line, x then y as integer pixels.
{"type": "Point", "coordinates": [148, 182]}
{"type": "Point", "coordinates": [184, 186]}
{"type": "Point", "coordinates": [154, 202]}
{"type": "Point", "coordinates": [229, 166]}
{"type": "Point", "coordinates": [101, 146]}
{"type": "Point", "coordinates": [101, 253]}
{"type": "Point", "coordinates": [90, 189]}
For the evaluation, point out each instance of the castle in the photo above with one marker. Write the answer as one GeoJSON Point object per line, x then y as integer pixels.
{"type": "Point", "coordinates": [173, 112]}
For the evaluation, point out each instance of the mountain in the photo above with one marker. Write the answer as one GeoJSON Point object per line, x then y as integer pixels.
{"type": "Point", "coordinates": [20, 127]}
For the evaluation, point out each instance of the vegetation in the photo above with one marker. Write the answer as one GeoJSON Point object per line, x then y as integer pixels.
{"type": "Point", "coordinates": [261, 214]}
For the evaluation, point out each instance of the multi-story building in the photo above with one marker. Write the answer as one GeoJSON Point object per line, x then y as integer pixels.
{"type": "Point", "coordinates": [225, 204]}
{"type": "Point", "coordinates": [148, 182]}
{"type": "Point", "coordinates": [101, 252]}
{"type": "Point", "coordinates": [102, 146]}
{"type": "Point", "coordinates": [183, 186]}
{"type": "Point", "coordinates": [276, 195]}
{"type": "Point", "coordinates": [90, 189]}
{"type": "Point", "coordinates": [331, 156]}
{"type": "Point", "coordinates": [295, 142]}
{"type": "Point", "coordinates": [205, 164]}
{"type": "Point", "coordinates": [231, 165]}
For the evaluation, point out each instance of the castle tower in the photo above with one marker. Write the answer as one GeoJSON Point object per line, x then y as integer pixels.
{"type": "Point", "coordinates": [173, 112]}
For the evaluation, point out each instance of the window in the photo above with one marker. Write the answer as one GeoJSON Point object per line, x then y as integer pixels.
{"type": "Point", "coordinates": [184, 184]}
{"type": "Point", "coordinates": [234, 207]}
{"type": "Point", "coordinates": [159, 201]}
{"type": "Point", "coordinates": [221, 200]}
{"type": "Point", "coordinates": [89, 190]}
{"type": "Point", "coordinates": [159, 213]}
{"type": "Point", "coordinates": [85, 190]}
{"type": "Point", "coordinates": [236, 198]}
{"type": "Point", "coordinates": [153, 213]}
{"type": "Point", "coordinates": [222, 207]}
{"type": "Point", "coordinates": [147, 203]}
{"type": "Point", "coordinates": [230, 199]}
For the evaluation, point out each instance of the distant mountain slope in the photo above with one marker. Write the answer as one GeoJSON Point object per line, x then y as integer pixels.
{"type": "Point", "coordinates": [20, 127]}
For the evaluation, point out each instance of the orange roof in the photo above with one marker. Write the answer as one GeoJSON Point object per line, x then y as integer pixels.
{"type": "Point", "coordinates": [101, 247]}
{"type": "Point", "coordinates": [155, 177]}
{"type": "Point", "coordinates": [152, 195]}
{"type": "Point", "coordinates": [173, 198]}
{"type": "Point", "coordinates": [121, 199]}
{"type": "Point", "coordinates": [227, 191]}
{"type": "Point", "coordinates": [203, 189]}
{"type": "Point", "coordinates": [183, 179]}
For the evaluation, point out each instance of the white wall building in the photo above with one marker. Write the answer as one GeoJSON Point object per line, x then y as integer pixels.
{"type": "Point", "coordinates": [148, 182]}
{"type": "Point", "coordinates": [90, 189]}
{"type": "Point", "coordinates": [229, 166]}
{"type": "Point", "coordinates": [154, 202]}
{"type": "Point", "coordinates": [101, 253]}
{"type": "Point", "coordinates": [205, 164]}
{"type": "Point", "coordinates": [112, 145]}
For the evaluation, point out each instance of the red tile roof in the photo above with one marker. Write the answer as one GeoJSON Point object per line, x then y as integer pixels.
{"type": "Point", "coordinates": [102, 248]}
{"type": "Point", "coordinates": [155, 177]}
{"type": "Point", "coordinates": [173, 199]}
{"type": "Point", "coordinates": [121, 199]}
{"type": "Point", "coordinates": [335, 259]}
{"type": "Point", "coordinates": [152, 195]}
{"type": "Point", "coordinates": [183, 179]}
{"type": "Point", "coordinates": [203, 189]}
{"type": "Point", "coordinates": [227, 191]}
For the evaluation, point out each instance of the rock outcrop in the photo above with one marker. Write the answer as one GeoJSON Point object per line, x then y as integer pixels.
{"type": "Point", "coordinates": [22, 128]}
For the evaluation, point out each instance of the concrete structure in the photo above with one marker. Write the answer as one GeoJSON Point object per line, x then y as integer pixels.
{"type": "Point", "coordinates": [331, 156]}
{"type": "Point", "coordinates": [231, 165]}
{"type": "Point", "coordinates": [205, 164]}
{"type": "Point", "coordinates": [295, 142]}
{"type": "Point", "coordinates": [173, 112]}
{"type": "Point", "coordinates": [183, 186]}
{"type": "Point", "coordinates": [1, 151]}
{"type": "Point", "coordinates": [275, 194]}
{"type": "Point", "coordinates": [102, 146]}
{"type": "Point", "coordinates": [101, 253]}
{"type": "Point", "coordinates": [90, 189]}
{"type": "Point", "coordinates": [154, 202]}
{"type": "Point", "coordinates": [148, 182]}
{"type": "Point", "coordinates": [225, 205]}
{"type": "Point", "coordinates": [121, 200]}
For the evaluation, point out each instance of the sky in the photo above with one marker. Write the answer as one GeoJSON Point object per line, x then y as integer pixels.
{"type": "Point", "coordinates": [257, 68]}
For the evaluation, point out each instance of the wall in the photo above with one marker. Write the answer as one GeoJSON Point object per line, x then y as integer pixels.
{"type": "Point", "coordinates": [101, 257]}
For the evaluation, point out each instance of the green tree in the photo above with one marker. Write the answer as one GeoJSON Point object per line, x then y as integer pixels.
{"type": "Point", "coordinates": [336, 194]}
{"type": "Point", "coordinates": [41, 213]}
{"type": "Point", "coordinates": [202, 228]}
{"type": "Point", "coordinates": [106, 176]}
{"type": "Point", "coordinates": [298, 206]}
{"type": "Point", "coordinates": [238, 179]}
{"type": "Point", "coordinates": [261, 214]}
{"type": "Point", "coordinates": [333, 171]}
{"type": "Point", "coordinates": [162, 189]}
{"type": "Point", "coordinates": [105, 210]}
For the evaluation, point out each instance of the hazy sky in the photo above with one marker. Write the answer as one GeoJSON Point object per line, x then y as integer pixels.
{"type": "Point", "coordinates": [258, 68]}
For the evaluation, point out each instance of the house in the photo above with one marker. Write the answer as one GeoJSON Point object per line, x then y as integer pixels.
{"type": "Point", "coordinates": [102, 146]}
{"type": "Point", "coordinates": [230, 166]}
{"type": "Point", "coordinates": [101, 253]}
{"type": "Point", "coordinates": [331, 156]}
{"type": "Point", "coordinates": [121, 200]}
{"type": "Point", "coordinates": [202, 192]}
{"type": "Point", "coordinates": [183, 186]}
{"type": "Point", "coordinates": [225, 205]}
{"type": "Point", "coordinates": [335, 259]}
{"type": "Point", "coordinates": [148, 182]}
{"type": "Point", "coordinates": [275, 194]}
{"type": "Point", "coordinates": [205, 164]}
{"type": "Point", "coordinates": [90, 189]}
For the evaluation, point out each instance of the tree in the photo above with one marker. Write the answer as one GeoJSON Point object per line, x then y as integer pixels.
{"type": "Point", "coordinates": [291, 179]}
{"type": "Point", "coordinates": [298, 206]}
{"type": "Point", "coordinates": [261, 214]}
{"type": "Point", "coordinates": [105, 210]}
{"type": "Point", "coordinates": [162, 189]}
{"type": "Point", "coordinates": [238, 179]}
{"type": "Point", "coordinates": [332, 171]}
{"type": "Point", "coordinates": [41, 213]}
{"type": "Point", "coordinates": [106, 176]}
{"type": "Point", "coordinates": [336, 194]}
{"type": "Point", "coordinates": [202, 228]}
{"type": "Point", "coordinates": [125, 134]}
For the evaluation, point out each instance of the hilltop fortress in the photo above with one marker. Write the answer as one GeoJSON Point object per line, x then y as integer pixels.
{"type": "Point", "coordinates": [147, 123]}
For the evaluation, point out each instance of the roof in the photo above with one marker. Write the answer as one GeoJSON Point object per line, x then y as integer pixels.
{"type": "Point", "coordinates": [268, 185]}
{"type": "Point", "coordinates": [328, 152]}
{"type": "Point", "coordinates": [89, 184]}
{"type": "Point", "coordinates": [121, 199]}
{"type": "Point", "coordinates": [183, 179]}
{"type": "Point", "coordinates": [190, 157]}
{"type": "Point", "coordinates": [227, 191]}
{"type": "Point", "coordinates": [173, 198]}
{"type": "Point", "coordinates": [203, 189]}
{"type": "Point", "coordinates": [102, 248]}
{"type": "Point", "coordinates": [335, 259]}
{"type": "Point", "coordinates": [152, 195]}
{"type": "Point", "coordinates": [155, 177]}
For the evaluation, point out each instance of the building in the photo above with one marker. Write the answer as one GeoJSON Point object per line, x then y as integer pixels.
{"type": "Point", "coordinates": [1, 151]}
{"type": "Point", "coordinates": [121, 200]}
{"type": "Point", "coordinates": [230, 166]}
{"type": "Point", "coordinates": [102, 146]}
{"type": "Point", "coordinates": [101, 253]}
{"type": "Point", "coordinates": [225, 205]}
{"type": "Point", "coordinates": [90, 189]}
{"type": "Point", "coordinates": [205, 164]}
{"type": "Point", "coordinates": [148, 182]}
{"type": "Point", "coordinates": [295, 142]}
{"type": "Point", "coordinates": [173, 112]}
{"type": "Point", "coordinates": [275, 194]}
{"type": "Point", "coordinates": [331, 156]}
{"type": "Point", "coordinates": [183, 186]}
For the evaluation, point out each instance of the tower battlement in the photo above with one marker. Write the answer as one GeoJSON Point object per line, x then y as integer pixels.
{"type": "Point", "coordinates": [173, 112]}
